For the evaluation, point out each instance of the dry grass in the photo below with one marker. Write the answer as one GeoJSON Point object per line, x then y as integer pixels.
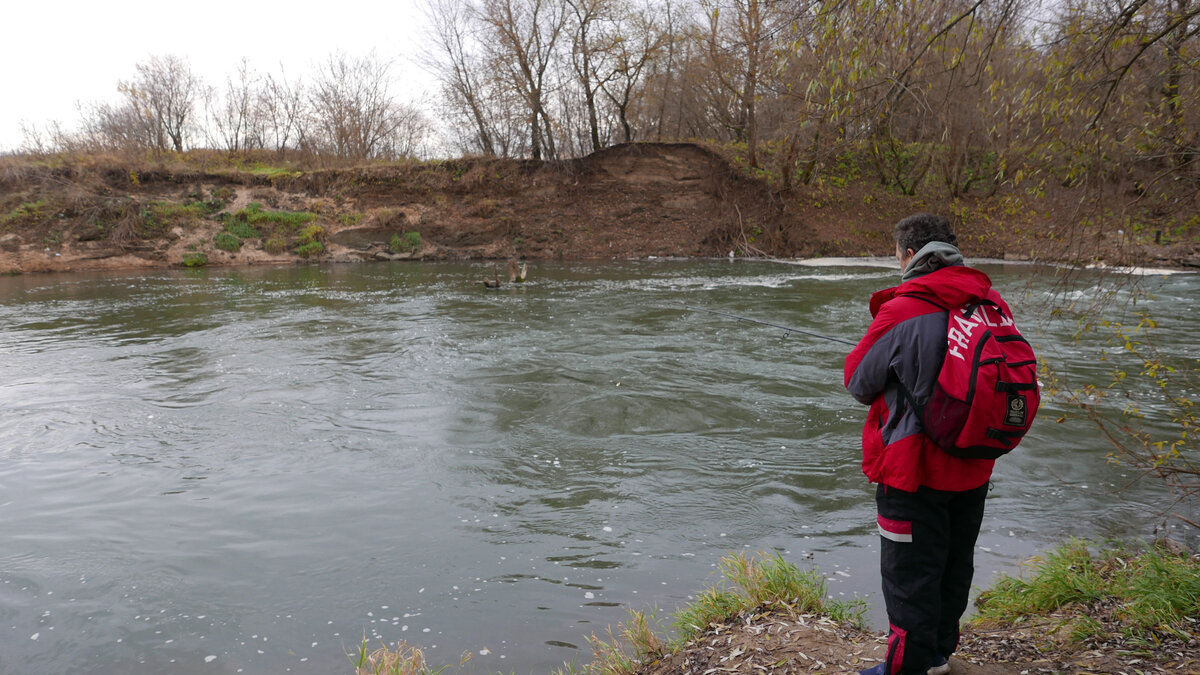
{"type": "Point", "coordinates": [401, 659]}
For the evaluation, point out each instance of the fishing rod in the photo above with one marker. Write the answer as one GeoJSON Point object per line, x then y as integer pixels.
{"type": "Point", "coordinates": [772, 325]}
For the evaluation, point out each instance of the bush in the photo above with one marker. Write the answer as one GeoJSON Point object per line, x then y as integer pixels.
{"type": "Point", "coordinates": [227, 242]}
{"type": "Point", "coordinates": [195, 260]}
{"type": "Point", "coordinates": [275, 245]}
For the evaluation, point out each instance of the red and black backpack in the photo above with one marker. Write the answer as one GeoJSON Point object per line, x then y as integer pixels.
{"type": "Point", "coordinates": [986, 394]}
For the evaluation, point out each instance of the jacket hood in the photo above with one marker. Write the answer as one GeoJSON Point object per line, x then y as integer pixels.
{"type": "Point", "coordinates": [953, 286]}
{"type": "Point", "coordinates": [932, 257]}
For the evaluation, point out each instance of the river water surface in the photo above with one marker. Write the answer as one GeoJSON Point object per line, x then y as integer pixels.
{"type": "Point", "coordinates": [225, 471]}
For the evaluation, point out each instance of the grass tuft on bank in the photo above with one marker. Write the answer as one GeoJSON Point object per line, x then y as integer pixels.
{"type": "Point", "coordinates": [749, 583]}
{"type": "Point", "coordinates": [1134, 596]}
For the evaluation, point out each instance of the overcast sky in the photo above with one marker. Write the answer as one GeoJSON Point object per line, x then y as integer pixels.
{"type": "Point", "coordinates": [54, 53]}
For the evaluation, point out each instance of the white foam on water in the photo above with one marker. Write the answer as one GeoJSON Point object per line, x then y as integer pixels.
{"type": "Point", "coordinates": [873, 261]}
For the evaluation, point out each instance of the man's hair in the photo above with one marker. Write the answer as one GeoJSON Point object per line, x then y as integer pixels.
{"type": "Point", "coordinates": [921, 228]}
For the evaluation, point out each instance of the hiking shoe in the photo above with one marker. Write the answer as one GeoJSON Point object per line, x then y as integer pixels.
{"type": "Point", "coordinates": [880, 669]}
{"type": "Point", "coordinates": [938, 666]}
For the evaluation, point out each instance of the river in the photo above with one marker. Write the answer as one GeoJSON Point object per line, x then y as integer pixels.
{"type": "Point", "coordinates": [251, 470]}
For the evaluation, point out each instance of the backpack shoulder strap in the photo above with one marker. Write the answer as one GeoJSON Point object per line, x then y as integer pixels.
{"type": "Point", "coordinates": [968, 309]}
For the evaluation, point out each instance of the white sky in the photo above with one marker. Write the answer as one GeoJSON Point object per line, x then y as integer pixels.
{"type": "Point", "coordinates": [55, 53]}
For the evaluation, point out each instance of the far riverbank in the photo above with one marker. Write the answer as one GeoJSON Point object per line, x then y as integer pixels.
{"type": "Point", "coordinates": [683, 200]}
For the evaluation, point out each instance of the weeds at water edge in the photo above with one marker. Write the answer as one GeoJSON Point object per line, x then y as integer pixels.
{"type": "Point", "coordinates": [399, 660]}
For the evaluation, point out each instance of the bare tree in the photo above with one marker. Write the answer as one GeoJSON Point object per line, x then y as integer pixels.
{"type": "Point", "coordinates": [164, 94]}
{"type": "Point", "coordinates": [354, 114]}
{"type": "Point", "coordinates": [591, 44]}
{"type": "Point", "coordinates": [282, 107]}
{"type": "Point", "coordinates": [107, 126]}
{"type": "Point", "coordinates": [237, 115]}
{"type": "Point", "coordinates": [524, 36]}
{"type": "Point", "coordinates": [638, 42]}
{"type": "Point", "coordinates": [739, 47]}
{"type": "Point", "coordinates": [455, 64]}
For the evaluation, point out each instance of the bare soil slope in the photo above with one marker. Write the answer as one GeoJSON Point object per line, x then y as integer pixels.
{"type": "Point", "coordinates": [632, 200]}
{"type": "Point", "coordinates": [626, 201]}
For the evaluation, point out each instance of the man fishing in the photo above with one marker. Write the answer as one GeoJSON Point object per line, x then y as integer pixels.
{"type": "Point", "coordinates": [930, 503]}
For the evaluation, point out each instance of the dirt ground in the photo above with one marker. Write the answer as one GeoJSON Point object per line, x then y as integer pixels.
{"type": "Point", "coordinates": [782, 642]}
{"type": "Point", "coordinates": [628, 201]}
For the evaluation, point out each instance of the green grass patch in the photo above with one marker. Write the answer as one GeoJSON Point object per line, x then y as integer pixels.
{"type": "Point", "coordinates": [310, 249]}
{"type": "Point", "coordinates": [254, 215]}
{"type": "Point", "coordinates": [1145, 592]}
{"type": "Point", "coordinates": [24, 213]}
{"type": "Point", "coordinates": [275, 245]}
{"type": "Point", "coordinates": [195, 260]}
{"type": "Point", "coordinates": [765, 581]}
{"type": "Point", "coordinates": [227, 242]}
{"type": "Point", "coordinates": [158, 216]}
{"type": "Point", "coordinates": [242, 229]}
{"type": "Point", "coordinates": [271, 172]}
{"type": "Point", "coordinates": [408, 243]}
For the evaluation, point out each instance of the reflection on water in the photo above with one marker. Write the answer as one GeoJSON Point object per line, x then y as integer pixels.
{"type": "Point", "coordinates": [253, 469]}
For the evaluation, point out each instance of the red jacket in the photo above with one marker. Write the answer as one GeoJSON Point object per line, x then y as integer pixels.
{"type": "Point", "coordinates": [903, 350]}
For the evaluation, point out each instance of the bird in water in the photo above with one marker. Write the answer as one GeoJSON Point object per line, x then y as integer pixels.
{"type": "Point", "coordinates": [516, 275]}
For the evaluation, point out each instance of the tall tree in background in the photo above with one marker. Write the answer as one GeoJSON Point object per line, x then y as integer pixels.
{"type": "Point", "coordinates": [282, 107]}
{"type": "Point", "coordinates": [236, 117]}
{"type": "Point", "coordinates": [523, 44]}
{"type": "Point", "coordinates": [453, 61]}
{"type": "Point", "coordinates": [592, 40]}
{"type": "Point", "coordinates": [638, 41]}
{"type": "Point", "coordinates": [739, 44]}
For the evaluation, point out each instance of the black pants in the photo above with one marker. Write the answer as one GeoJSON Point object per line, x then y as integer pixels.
{"type": "Point", "coordinates": [927, 556]}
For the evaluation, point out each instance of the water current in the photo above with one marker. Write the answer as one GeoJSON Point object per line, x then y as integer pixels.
{"type": "Point", "coordinates": [251, 470]}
